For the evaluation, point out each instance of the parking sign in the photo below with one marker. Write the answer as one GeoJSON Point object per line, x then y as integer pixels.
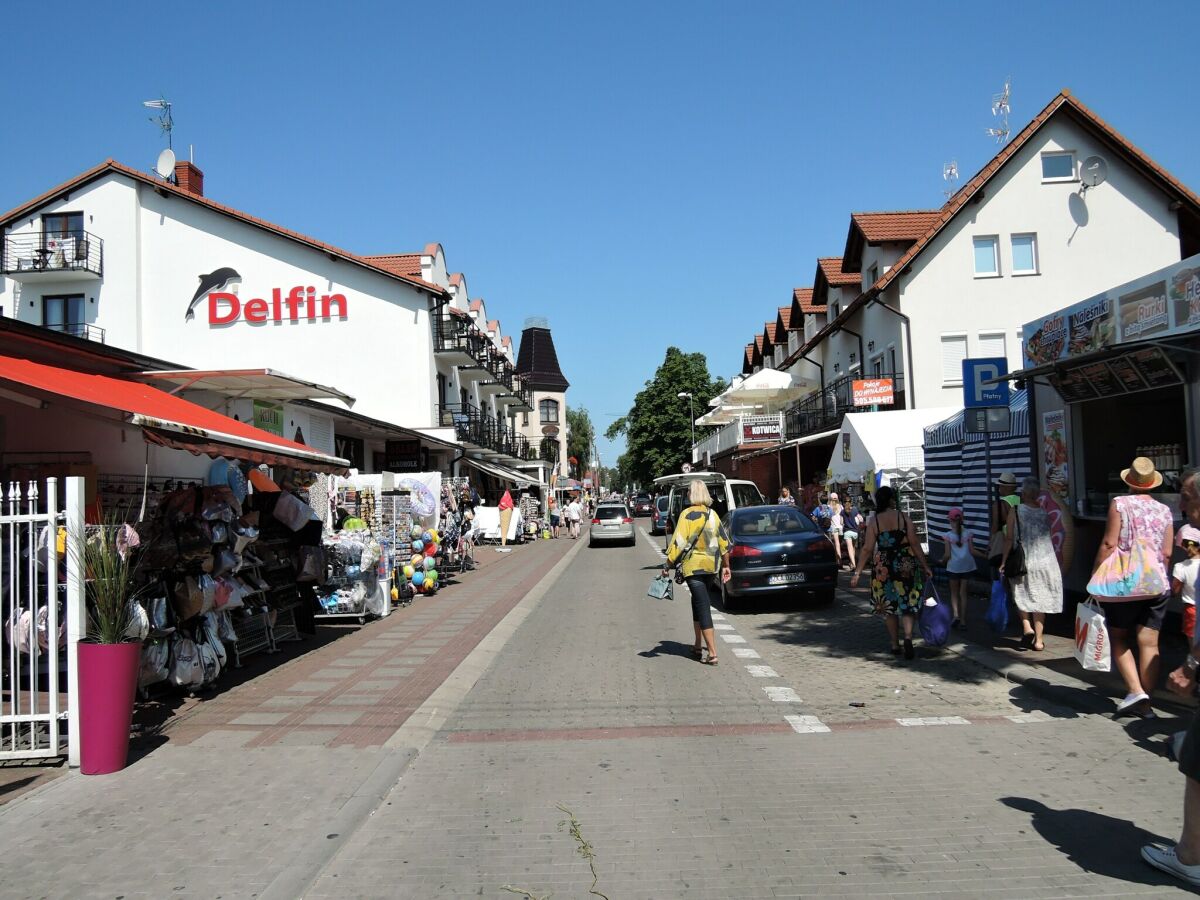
{"type": "Point", "coordinates": [978, 371]}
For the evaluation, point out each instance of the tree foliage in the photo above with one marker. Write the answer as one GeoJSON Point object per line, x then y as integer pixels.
{"type": "Point", "coordinates": [657, 429]}
{"type": "Point", "coordinates": [580, 435]}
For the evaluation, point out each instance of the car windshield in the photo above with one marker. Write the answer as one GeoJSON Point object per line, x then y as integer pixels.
{"type": "Point", "coordinates": [610, 512]}
{"type": "Point", "coordinates": [770, 521]}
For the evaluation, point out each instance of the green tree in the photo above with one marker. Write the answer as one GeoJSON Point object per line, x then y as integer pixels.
{"type": "Point", "coordinates": [580, 436]}
{"type": "Point", "coordinates": [657, 429]}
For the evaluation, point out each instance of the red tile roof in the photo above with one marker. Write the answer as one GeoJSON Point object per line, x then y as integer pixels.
{"type": "Point", "coordinates": [906, 225]}
{"type": "Point", "coordinates": [431, 249]}
{"type": "Point", "coordinates": [407, 264]}
{"type": "Point", "coordinates": [456, 278]}
{"type": "Point", "coordinates": [784, 321]}
{"type": "Point", "coordinates": [476, 305]}
{"type": "Point", "coordinates": [506, 341]}
{"type": "Point", "coordinates": [111, 165]}
{"type": "Point", "coordinates": [493, 325]}
{"type": "Point", "coordinates": [454, 310]}
{"type": "Point", "coordinates": [831, 268]}
{"type": "Point", "coordinates": [804, 297]}
{"type": "Point", "coordinates": [770, 332]}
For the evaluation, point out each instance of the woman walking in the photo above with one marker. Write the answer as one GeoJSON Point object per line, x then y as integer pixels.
{"type": "Point", "coordinates": [573, 512]}
{"type": "Point", "coordinates": [554, 516]}
{"type": "Point", "coordinates": [853, 520]}
{"type": "Point", "coordinates": [837, 522]}
{"type": "Point", "coordinates": [960, 562]}
{"type": "Point", "coordinates": [896, 584]}
{"type": "Point", "coordinates": [1141, 532]}
{"type": "Point", "coordinates": [699, 546]}
{"type": "Point", "coordinates": [1039, 590]}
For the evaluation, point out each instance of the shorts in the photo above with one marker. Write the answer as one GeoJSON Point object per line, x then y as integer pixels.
{"type": "Point", "coordinates": [701, 588]}
{"type": "Point", "coordinates": [1189, 753]}
{"type": "Point", "coordinates": [835, 532]}
{"type": "Point", "coordinates": [1189, 621]}
{"type": "Point", "coordinates": [958, 576]}
{"type": "Point", "coordinates": [554, 520]}
{"type": "Point", "coordinates": [851, 535]}
{"type": "Point", "coordinates": [1145, 613]}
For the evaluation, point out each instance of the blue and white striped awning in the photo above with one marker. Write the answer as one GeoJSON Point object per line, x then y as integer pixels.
{"type": "Point", "coordinates": [953, 431]}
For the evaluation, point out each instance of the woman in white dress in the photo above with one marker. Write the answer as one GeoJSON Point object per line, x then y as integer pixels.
{"type": "Point", "coordinates": [1039, 590]}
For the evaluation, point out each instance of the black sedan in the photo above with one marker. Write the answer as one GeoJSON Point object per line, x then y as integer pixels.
{"type": "Point", "coordinates": [777, 550]}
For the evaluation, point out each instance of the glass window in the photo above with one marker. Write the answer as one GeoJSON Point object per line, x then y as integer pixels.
{"type": "Point", "coordinates": [877, 365]}
{"type": "Point", "coordinates": [892, 370]}
{"type": "Point", "coordinates": [63, 313]}
{"type": "Point", "coordinates": [954, 351]}
{"type": "Point", "coordinates": [1058, 166]}
{"type": "Point", "coordinates": [525, 417]}
{"type": "Point", "coordinates": [549, 412]}
{"type": "Point", "coordinates": [1024, 254]}
{"type": "Point", "coordinates": [62, 224]}
{"type": "Point", "coordinates": [777, 521]}
{"type": "Point", "coordinates": [607, 511]}
{"type": "Point", "coordinates": [987, 261]}
{"type": "Point", "coordinates": [746, 495]}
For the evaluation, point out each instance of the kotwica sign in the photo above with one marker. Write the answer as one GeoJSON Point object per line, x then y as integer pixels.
{"type": "Point", "coordinates": [980, 387]}
{"type": "Point", "coordinates": [766, 430]}
{"type": "Point", "coordinates": [219, 290]}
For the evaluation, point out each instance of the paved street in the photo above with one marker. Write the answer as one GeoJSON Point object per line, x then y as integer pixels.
{"type": "Point", "coordinates": [753, 779]}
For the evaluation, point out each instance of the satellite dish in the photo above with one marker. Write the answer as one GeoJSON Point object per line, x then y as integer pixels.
{"type": "Point", "coordinates": [1093, 172]}
{"type": "Point", "coordinates": [165, 167]}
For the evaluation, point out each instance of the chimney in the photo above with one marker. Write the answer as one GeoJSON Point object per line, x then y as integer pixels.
{"type": "Point", "coordinates": [189, 178]}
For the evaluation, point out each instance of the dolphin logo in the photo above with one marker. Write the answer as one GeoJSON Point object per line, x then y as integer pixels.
{"type": "Point", "coordinates": [217, 280]}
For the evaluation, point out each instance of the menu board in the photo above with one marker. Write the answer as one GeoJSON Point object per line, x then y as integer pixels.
{"type": "Point", "coordinates": [1126, 373]}
{"type": "Point", "coordinates": [1101, 378]}
{"type": "Point", "coordinates": [1155, 367]}
{"type": "Point", "coordinates": [1072, 386]}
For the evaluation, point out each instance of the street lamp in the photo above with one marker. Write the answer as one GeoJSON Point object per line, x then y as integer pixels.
{"type": "Point", "coordinates": [691, 414]}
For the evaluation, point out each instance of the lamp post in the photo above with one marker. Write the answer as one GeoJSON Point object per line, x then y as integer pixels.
{"type": "Point", "coordinates": [691, 414]}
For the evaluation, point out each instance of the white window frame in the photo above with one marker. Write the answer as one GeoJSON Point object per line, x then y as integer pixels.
{"type": "Point", "coordinates": [877, 365]}
{"type": "Point", "coordinates": [1037, 260]}
{"type": "Point", "coordinates": [893, 361]}
{"type": "Point", "coordinates": [1074, 176]}
{"type": "Point", "coordinates": [953, 336]}
{"type": "Point", "coordinates": [995, 239]}
{"type": "Point", "coordinates": [997, 333]}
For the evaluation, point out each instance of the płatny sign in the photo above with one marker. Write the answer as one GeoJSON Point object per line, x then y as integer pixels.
{"type": "Point", "coordinates": [765, 430]}
{"type": "Point", "coordinates": [873, 392]}
{"type": "Point", "coordinates": [981, 386]}
{"type": "Point", "coordinates": [300, 304]}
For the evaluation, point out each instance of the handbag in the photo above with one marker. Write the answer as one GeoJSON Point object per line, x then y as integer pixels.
{"type": "Point", "coordinates": [1091, 638]}
{"type": "Point", "coordinates": [1127, 574]}
{"type": "Point", "coordinates": [661, 588]}
{"type": "Point", "coordinates": [935, 619]}
{"type": "Point", "coordinates": [997, 611]}
{"type": "Point", "coordinates": [1014, 566]}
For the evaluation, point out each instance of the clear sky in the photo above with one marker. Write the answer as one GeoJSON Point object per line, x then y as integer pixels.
{"type": "Point", "coordinates": [640, 173]}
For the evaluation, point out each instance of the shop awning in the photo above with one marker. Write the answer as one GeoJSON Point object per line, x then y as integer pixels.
{"type": "Point", "coordinates": [252, 384]}
{"type": "Point", "coordinates": [502, 472]}
{"type": "Point", "coordinates": [164, 418]}
{"type": "Point", "coordinates": [879, 441]}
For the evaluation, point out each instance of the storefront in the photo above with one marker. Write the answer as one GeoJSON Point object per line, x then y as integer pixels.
{"type": "Point", "coordinates": [1114, 377]}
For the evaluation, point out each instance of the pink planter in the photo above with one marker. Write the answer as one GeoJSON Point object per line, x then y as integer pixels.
{"type": "Point", "coordinates": [107, 688]}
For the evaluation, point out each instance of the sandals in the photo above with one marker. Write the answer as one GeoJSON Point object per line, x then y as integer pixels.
{"type": "Point", "coordinates": [711, 661]}
{"type": "Point", "coordinates": [698, 653]}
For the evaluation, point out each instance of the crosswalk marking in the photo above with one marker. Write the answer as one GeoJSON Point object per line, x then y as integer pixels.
{"type": "Point", "coordinates": [781, 694]}
{"type": "Point", "coordinates": [762, 671]}
{"type": "Point", "coordinates": [1026, 718]}
{"type": "Point", "coordinates": [745, 653]}
{"type": "Point", "coordinates": [732, 638]}
{"type": "Point", "coordinates": [933, 720]}
{"type": "Point", "coordinates": [807, 725]}
{"type": "Point", "coordinates": [723, 626]}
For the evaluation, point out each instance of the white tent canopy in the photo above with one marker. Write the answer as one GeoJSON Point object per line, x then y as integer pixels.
{"type": "Point", "coordinates": [874, 441]}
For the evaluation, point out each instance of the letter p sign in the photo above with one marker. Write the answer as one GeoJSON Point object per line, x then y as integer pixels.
{"type": "Point", "coordinates": [980, 385]}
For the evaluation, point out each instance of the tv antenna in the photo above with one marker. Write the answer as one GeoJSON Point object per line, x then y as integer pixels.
{"type": "Point", "coordinates": [163, 119]}
{"type": "Point", "coordinates": [950, 176]}
{"type": "Point", "coordinates": [1000, 110]}
{"type": "Point", "coordinates": [1093, 172]}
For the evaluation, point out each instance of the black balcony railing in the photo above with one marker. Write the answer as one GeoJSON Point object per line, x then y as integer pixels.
{"type": "Point", "coordinates": [824, 410]}
{"type": "Point", "coordinates": [79, 330]}
{"type": "Point", "coordinates": [455, 333]}
{"type": "Point", "coordinates": [472, 425]}
{"type": "Point", "coordinates": [36, 251]}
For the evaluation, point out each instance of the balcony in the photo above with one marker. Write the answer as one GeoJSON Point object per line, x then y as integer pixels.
{"type": "Point", "coordinates": [824, 410]}
{"type": "Point", "coordinates": [459, 342]}
{"type": "Point", "coordinates": [36, 256]}
{"type": "Point", "coordinates": [79, 330]}
{"type": "Point", "coordinates": [474, 427]}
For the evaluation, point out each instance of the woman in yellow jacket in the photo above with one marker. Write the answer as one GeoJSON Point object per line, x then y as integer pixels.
{"type": "Point", "coordinates": [699, 546]}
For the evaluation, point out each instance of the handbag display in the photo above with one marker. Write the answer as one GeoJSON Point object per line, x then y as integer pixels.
{"type": "Point", "coordinates": [661, 588]}
{"type": "Point", "coordinates": [1014, 566]}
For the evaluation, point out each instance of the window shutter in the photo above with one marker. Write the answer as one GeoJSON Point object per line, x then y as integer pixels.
{"type": "Point", "coordinates": [954, 351]}
{"type": "Point", "coordinates": [992, 345]}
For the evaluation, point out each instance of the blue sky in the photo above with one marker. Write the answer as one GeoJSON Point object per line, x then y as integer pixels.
{"type": "Point", "coordinates": [640, 176]}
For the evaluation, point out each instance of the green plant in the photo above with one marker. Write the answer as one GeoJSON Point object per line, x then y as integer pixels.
{"type": "Point", "coordinates": [111, 581]}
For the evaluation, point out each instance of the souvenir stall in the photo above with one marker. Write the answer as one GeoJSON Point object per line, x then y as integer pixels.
{"type": "Point", "coordinates": [1112, 378]}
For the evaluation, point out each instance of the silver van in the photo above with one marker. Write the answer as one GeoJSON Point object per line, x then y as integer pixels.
{"type": "Point", "coordinates": [727, 494]}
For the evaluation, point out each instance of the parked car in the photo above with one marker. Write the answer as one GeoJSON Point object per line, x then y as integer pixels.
{"type": "Point", "coordinates": [643, 505]}
{"type": "Point", "coordinates": [777, 551]}
{"type": "Point", "coordinates": [658, 518]}
{"type": "Point", "coordinates": [728, 494]}
{"type": "Point", "coordinates": [612, 523]}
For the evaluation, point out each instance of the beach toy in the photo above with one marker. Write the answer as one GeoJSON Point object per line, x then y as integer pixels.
{"type": "Point", "coordinates": [415, 561]}
{"type": "Point", "coordinates": [418, 579]}
{"type": "Point", "coordinates": [429, 563]}
{"type": "Point", "coordinates": [426, 537]}
{"type": "Point", "coordinates": [408, 572]}
{"type": "Point", "coordinates": [432, 575]}
{"type": "Point", "coordinates": [417, 546]}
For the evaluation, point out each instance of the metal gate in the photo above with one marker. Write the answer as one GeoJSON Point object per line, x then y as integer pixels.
{"type": "Point", "coordinates": [35, 606]}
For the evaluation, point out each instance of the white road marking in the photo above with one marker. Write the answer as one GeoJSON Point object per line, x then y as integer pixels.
{"type": "Point", "coordinates": [745, 653]}
{"type": "Point", "coordinates": [934, 720]}
{"type": "Point", "coordinates": [653, 543]}
{"type": "Point", "coordinates": [724, 626]}
{"type": "Point", "coordinates": [717, 617]}
{"type": "Point", "coordinates": [781, 694]}
{"type": "Point", "coordinates": [1027, 718]}
{"type": "Point", "coordinates": [806, 725]}
{"type": "Point", "coordinates": [762, 671]}
{"type": "Point", "coordinates": [732, 638]}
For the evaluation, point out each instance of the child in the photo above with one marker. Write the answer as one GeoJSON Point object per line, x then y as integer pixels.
{"type": "Point", "coordinates": [1183, 578]}
{"type": "Point", "coordinates": [959, 564]}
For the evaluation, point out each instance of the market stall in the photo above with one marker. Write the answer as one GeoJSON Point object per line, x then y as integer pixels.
{"type": "Point", "coordinates": [1114, 377]}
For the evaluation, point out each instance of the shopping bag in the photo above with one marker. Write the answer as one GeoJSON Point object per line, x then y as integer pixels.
{"type": "Point", "coordinates": [935, 619]}
{"type": "Point", "coordinates": [997, 612]}
{"type": "Point", "coordinates": [661, 588]}
{"type": "Point", "coordinates": [1091, 638]}
{"type": "Point", "coordinates": [1128, 573]}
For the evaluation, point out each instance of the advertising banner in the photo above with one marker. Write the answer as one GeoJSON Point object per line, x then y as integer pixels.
{"type": "Point", "coordinates": [765, 429]}
{"type": "Point", "coordinates": [269, 417]}
{"type": "Point", "coordinates": [872, 392]}
{"type": "Point", "coordinates": [1055, 455]}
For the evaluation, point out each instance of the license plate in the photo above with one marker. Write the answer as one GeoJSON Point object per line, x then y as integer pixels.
{"type": "Point", "coordinates": [612, 526]}
{"type": "Point", "coordinates": [787, 578]}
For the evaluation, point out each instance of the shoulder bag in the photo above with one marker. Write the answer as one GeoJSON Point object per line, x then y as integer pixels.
{"type": "Point", "coordinates": [1129, 573]}
{"type": "Point", "coordinates": [1015, 566]}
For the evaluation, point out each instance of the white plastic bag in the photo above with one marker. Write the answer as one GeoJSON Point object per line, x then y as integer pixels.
{"type": "Point", "coordinates": [139, 622]}
{"type": "Point", "coordinates": [225, 629]}
{"type": "Point", "coordinates": [187, 670]}
{"type": "Point", "coordinates": [155, 666]}
{"type": "Point", "coordinates": [210, 662]}
{"type": "Point", "coordinates": [1091, 638]}
{"type": "Point", "coordinates": [292, 511]}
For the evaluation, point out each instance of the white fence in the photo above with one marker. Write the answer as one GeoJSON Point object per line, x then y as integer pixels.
{"type": "Point", "coordinates": [740, 431]}
{"type": "Point", "coordinates": [42, 611]}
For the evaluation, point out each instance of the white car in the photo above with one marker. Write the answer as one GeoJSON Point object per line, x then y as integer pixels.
{"type": "Point", "coordinates": [612, 523]}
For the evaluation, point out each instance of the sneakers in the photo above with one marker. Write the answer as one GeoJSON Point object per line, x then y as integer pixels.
{"type": "Point", "coordinates": [1164, 858]}
{"type": "Point", "coordinates": [1129, 706]}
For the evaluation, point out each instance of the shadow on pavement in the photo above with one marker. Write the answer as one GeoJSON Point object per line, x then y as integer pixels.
{"type": "Point", "coordinates": [1067, 700]}
{"type": "Point", "coordinates": [1103, 845]}
{"type": "Point", "coordinates": [668, 648]}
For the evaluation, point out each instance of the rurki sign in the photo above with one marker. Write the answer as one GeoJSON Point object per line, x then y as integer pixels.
{"type": "Point", "coordinates": [299, 304]}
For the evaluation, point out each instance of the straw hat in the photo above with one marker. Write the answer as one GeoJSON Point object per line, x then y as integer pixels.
{"type": "Point", "coordinates": [1007, 479]}
{"type": "Point", "coordinates": [1142, 475]}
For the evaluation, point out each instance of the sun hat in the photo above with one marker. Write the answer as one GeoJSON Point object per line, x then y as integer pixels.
{"type": "Point", "coordinates": [1142, 475]}
{"type": "Point", "coordinates": [955, 513]}
{"type": "Point", "coordinates": [1189, 533]}
{"type": "Point", "coordinates": [1007, 479]}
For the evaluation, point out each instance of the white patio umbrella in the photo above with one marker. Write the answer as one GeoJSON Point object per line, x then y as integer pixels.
{"type": "Point", "coordinates": [769, 386]}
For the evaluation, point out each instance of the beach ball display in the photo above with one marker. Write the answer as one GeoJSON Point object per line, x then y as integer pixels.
{"type": "Point", "coordinates": [418, 546]}
{"type": "Point", "coordinates": [426, 537]}
{"type": "Point", "coordinates": [408, 572]}
{"type": "Point", "coordinates": [437, 538]}
{"type": "Point", "coordinates": [431, 550]}
{"type": "Point", "coordinates": [415, 561]}
{"type": "Point", "coordinates": [431, 575]}
{"type": "Point", "coordinates": [429, 563]}
{"type": "Point", "coordinates": [418, 579]}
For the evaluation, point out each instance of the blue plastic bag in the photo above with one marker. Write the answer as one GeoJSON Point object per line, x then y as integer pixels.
{"type": "Point", "coordinates": [934, 620]}
{"type": "Point", "coordinates": [997, 614]}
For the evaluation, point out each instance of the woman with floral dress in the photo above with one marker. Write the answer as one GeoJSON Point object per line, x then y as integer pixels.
{"type": "Point", "coordinates": [897, 565]}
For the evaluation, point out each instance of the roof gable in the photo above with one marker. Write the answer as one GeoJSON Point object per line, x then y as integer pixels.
{"type": "Point", "coordinates": [901, 226]}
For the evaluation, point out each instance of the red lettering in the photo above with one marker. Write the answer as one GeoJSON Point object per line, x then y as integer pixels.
{"type": "Point", "coordinates": [275, 295]}
{"type": "Point", "coordinates": [255, 310]}
{"type": "Point", "coordinates": [312, 304]}
{"type": "Point", "coordinates": [1081, 630]}
{"type": "Point", "coordinates": [294, 298]}
{"type": "Point", "coordinates": [215, 316]}
{"type": "Point", "coordinates": [328, 301]}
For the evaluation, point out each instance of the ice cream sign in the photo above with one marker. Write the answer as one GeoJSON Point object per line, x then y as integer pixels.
{"type": "Point", "coordinates": [218, 294]}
